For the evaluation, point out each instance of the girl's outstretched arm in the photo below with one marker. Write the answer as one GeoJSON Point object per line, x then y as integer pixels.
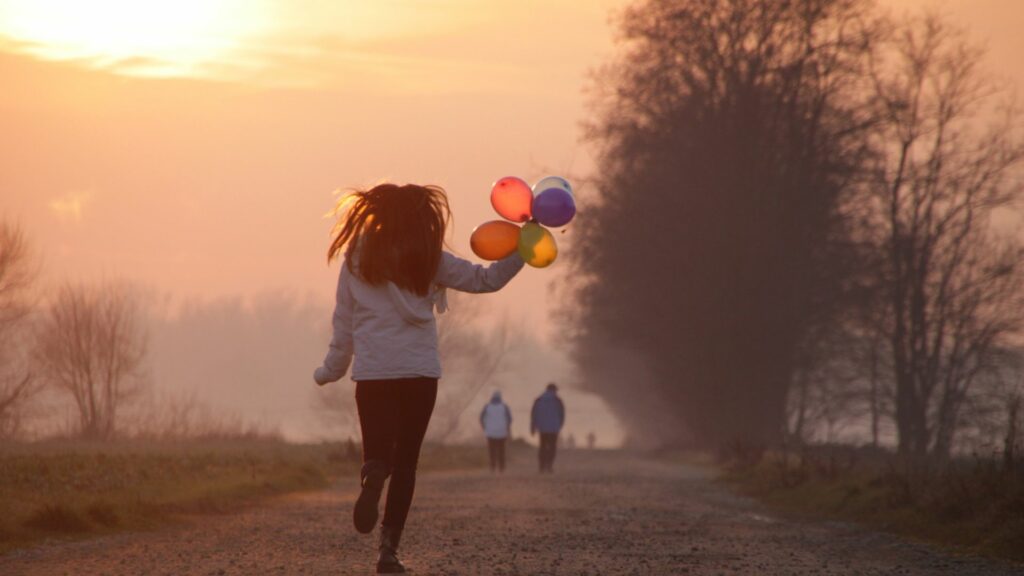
{"type": "Point", "coordinates": [465, 276]}
{"type": "Point", "coordinates": [339, 354]}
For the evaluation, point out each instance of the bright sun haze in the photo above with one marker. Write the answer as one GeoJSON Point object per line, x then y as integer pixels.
{"type": "Point", "coordinates": [155, 38]}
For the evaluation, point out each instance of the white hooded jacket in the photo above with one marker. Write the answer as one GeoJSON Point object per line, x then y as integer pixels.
{"type": "Point", "coordinates": [391, 332]}
{"type": "Point", "coordinates": [496, 418]}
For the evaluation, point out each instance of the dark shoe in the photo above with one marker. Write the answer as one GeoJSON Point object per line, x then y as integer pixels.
{"type": "Point", "coordinates": [364, 516]}
{"type": "Point", "coordinates": [387, 562]}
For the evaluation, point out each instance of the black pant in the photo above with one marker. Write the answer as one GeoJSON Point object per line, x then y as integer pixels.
{"type": "Point", "coordinates": [393, 416]}
{"type": "Point", "coordinates": [496, 449]}
{"type": "Point", "coordinates": [546, 454]}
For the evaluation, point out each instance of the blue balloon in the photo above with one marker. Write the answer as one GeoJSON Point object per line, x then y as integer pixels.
{"type": "Point", "coordinates": [554, 207]}
{"type": "Point", "coordinates": [552, 182]}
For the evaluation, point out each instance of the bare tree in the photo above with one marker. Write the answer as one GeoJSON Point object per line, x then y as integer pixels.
{"type": "Point", "coordinates": [950, 286]}
{"type": "Point", "coordinates": [878, 373]}
{"type": "Point", "coordinates": [990, 419]}
{"type": "Point", "coordinates": [17, 383]}
{"type": "Point", "coordinates": [92, 346]}
{"type": "Point", "coordinates": [1009, 393]}
{"type": "Point", "coordinates": [472, 357]}
{"type": "Point", "coordinates": [16, 276]}
{"type": "Point", "coordinates": [839, 384]}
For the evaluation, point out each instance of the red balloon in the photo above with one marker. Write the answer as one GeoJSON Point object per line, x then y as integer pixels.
{"type": "Point", "coordinates": [512, 199]}
{"type": "Point", "coordinates": [494, 240]}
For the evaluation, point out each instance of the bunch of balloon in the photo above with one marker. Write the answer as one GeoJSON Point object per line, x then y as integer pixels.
{"type": "Point", "coordinates": [548, 204]}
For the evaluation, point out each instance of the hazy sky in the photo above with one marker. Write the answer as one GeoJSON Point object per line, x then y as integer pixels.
{"type": "Point", "coordinates": [214, 180]}
{"type": "Point", "coordinates": [194, 148]}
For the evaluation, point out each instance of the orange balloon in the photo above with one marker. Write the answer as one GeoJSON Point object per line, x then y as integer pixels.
{"type": "Point", "coordinates": [512, 199]}
{"type": "Point", "coordinates": [494, 240]}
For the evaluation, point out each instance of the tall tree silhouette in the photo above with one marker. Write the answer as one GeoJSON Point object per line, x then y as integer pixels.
{"type": "Point", "coordinates": [730, 135]}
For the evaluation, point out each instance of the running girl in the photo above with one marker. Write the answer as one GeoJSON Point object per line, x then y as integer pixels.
{"type": "Point", "coordinates": [393, 278]}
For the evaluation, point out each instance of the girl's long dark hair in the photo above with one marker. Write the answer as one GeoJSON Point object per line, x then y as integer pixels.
{"type": "Point", "coordinates": [396, 232]}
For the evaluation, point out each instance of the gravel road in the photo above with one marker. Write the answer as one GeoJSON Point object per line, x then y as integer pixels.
{"type": "Point", "coordinates": [600, 513]}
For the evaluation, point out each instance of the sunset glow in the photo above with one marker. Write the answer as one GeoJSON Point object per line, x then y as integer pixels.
{"type": "Point", "coordinates": [192, 146]}
{"type": "Point", "coordinates": [142, 38]}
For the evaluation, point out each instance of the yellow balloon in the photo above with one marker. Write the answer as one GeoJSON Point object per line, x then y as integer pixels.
{"type": "Point", "coordinates": [537, 245]}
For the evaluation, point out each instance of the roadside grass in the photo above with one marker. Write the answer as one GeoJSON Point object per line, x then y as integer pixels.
{"type": "Point", "coordinates": [702, 459]}
{"type": "Point", "coordinates": [73, 489]}
{"type": "Point", "coordinates": [972, 505]}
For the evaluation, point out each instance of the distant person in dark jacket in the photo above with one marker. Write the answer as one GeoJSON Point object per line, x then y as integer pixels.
{"type": "Point", "coordinates": [547, 417]}
{"type": "Point", "coordinates": [496, 420]}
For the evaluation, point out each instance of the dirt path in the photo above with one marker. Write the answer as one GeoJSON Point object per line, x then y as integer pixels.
{"type": "Point", "coordinates": [601, 513]}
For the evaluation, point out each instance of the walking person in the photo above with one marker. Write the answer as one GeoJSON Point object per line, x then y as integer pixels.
{"type": "Point", "coordinates": [547, 417]}
{"type": "Point", "coordinates": [496, 420]}
{"type": "Point", "coordinates": [392, 279]}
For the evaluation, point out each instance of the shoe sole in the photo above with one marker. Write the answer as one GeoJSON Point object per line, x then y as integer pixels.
{"type": "Point", "coordinates": [391, 569]}
{"type": "Point", "coordinates": [364, 516]}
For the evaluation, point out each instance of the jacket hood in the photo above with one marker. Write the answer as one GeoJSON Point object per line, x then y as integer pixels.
{"type": "Point", "coordinates": [400, 298]}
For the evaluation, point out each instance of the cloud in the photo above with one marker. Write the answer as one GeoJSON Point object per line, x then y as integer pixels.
{"type": "Point", "coordinates": [391, 46]}
{"type": "Point", "coordinates": [70, 206]}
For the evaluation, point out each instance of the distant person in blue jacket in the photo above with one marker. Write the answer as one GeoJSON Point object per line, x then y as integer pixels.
{"type": "Point", "coordinates": [547, 417]}
{"type": "Point", "coordinates": [496, 420]}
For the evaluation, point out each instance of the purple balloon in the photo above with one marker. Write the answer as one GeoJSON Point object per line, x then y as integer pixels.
{"type": "Point", "coordinates": [554, 207]}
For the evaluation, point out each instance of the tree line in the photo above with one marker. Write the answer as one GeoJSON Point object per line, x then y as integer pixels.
{"type": "Point", "coordinates": [805, 225]}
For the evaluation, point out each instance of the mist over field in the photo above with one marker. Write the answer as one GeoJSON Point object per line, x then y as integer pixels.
{"type": "Point", "coordinates": [252, 360]}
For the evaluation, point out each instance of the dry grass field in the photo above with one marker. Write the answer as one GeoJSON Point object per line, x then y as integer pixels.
{"type": "Point", "coordinates": [972, 505]}
{"type": "Point", "coordinates": [70, 489]}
